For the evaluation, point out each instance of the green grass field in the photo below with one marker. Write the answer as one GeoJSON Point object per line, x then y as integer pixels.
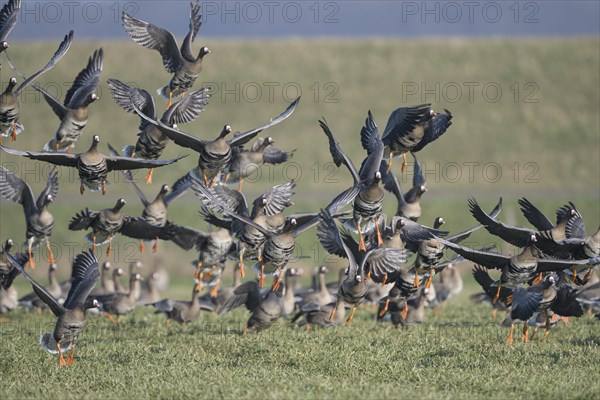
{"type": "Point", "coordinates": [542, 134]}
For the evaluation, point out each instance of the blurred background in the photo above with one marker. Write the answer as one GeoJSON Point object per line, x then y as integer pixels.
{"type": "Point", "coordinates": [520, 77]}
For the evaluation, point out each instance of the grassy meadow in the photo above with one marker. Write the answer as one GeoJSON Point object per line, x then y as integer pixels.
{"type": "Point", "coordinates": [525, 125]}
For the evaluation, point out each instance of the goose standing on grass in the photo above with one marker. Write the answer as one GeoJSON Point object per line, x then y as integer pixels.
{"type": "Point", "coordinates": [120, 303]}
{"type": "Point", "coordinates": [321, 294]}
{"type": "Point", "coordinates": [412, 128]}
{"type": "Point", "coordinates": [181, 62]}
{"type": "Point", "coordinates": [72, 314]}
{"type": "Point", "coordinates": [215, 155]}
{"type": "Point", "coordinates": [152, 141]}
{"type": "Point", "coordinates": [107, 282]}
{"type": "Point", "coordinates": [184, 311]}
{"type": "Point", "coordinates": [39, 221]}
{"type": "Point", "coordinates": [93, 166]}
{"type": "Point", "coordinates": [8, 20]}
{"type": "Point", "coordinates": [73, 113]}
{"type": "Point", "coordinates": [106, 223]}
{"type": "Point", "coordinates": [9, 99]}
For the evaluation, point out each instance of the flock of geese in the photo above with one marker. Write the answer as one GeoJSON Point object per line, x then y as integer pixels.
{"type": "Point", "coordinates": [552, 276]}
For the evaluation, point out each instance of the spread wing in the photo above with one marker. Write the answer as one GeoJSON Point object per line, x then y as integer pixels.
{"type": "Point", "coordinates": [459, 237]}
{"type": "Point", "coordinates": [137, 228]}
{"type": "Point", "coordinates": [83, 278]}
{"type": "Point", "coordinates": [516, 236]}
{"type": "Point", "coordinates": [152, 37]}
{"type": "Point", "coordinates": [566, 303]}
{"type": "Point", "coordinates": [42, 293]}
{"type": "Point", "coordinates": [371, 141]}
{"type": "Point", "coordinates": [127, 96]}
{"type": "Point", "coordinates": [338, 155]}
{"type": "Point", "coordinates": [83, 220]}
{"type": "Point", "coordinates": [179, 188]}
{"type": "Point", "coordinates": [63, 159]}
{"type": "Point", "coordinates": [15, 189]}
{"type": "Point", "coordinates": [86, 81]}
{"type": "Point", "coordinates": [180, 138]}
{"type": "Point", "coordinates": [247, 294]}
{"type": "Point", "coordinates": [195, 23]}
{"type": "Point", "coordinates": [402, 122]}
{"type": "Point", "coordinates": [56, 105]}
{"type": "Point", "coordinates": [60, 52]}
{"type": "Point", "coordinates": [534, 215]}
{"type": "Point", "coordinates": [187, 109]}
{"type": "Point", "coordinates": [575, 228]}
{"type": "Point", "coordinates": [525, 302]}
{"type": "Point", "coordinates": [277, 199]}
{"type": "Point", "coordinates": [244, 137]}
{"type": "Point", "coordinates": [484, 258]}
{"type": "Point", "coordinates": [121, 163]}
{"type": "Point", "coordinates": [50, 189]}
{"type": "Point", "coordinates": [434, 128]}
{"type": "Point", "coordinates": [8, 18]}
{"type": "Point", "coordinates": [391, 184]}
{"type": "Point", "coordinates": [272, 155]}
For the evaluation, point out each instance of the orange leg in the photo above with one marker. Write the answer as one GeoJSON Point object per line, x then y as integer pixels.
{"type": "Point", "coordinates": [14, 132]}
{"type": "Point", "coordinates": [212, 181]}
{"type": "Point", "coordinates": [361, 242]}
{"type": "Point", "coordinates": [333, 311]}
{"type": "Point", "coordinates": [81, 189]}
{"type": "Point", "coordinates": [404, 310]}
{"type": "Point", "coordinates": [142, 246]}
{"type": "Point", "coordinates": [538, 279]}
{"type": "Point", "coordinates": [50, 254]}
{"type": "Point", "coordinates": [385, 278]}
{"type": "Point", "coordinates": [31, 261]}
{"type": "Point", "coordinates": [155, 247]}
{"type": "Point", "coordinates": [94, 244]}
{"type": "Point", "coordinates": [109, 246]}
{"type": "Point", "coordinates": [587, 276]}
{"type": "Point", "coordinates": [349, 320]}
{"type": "Point", "coordinates": [494, 314]}
{"type": "Point", "coordinates": [387, 171]}
{"type": "Point", "coordinates": [428, 282]}
{"type": "Point", "coordinates": [379, 239]}
{"type": "Point", "coordinates": [57, 147]}
{"type": "Point", "coordinates": [574, 272]}
{"type": "Point", "coordinates": [385, 308]}
{"type": "Point", "coordinates": [205, 179]}
{"type": "Point", "coordinates": [71, 359]}
{"type": "Point", "coordinates": [197, 272]}
{"type": "Point", "coordinates": [61, 358]}
{"type": "Point", "coordinates": [495, 299]}
{"type": "Point", "coordinates": [110, 318]}
{"type": "Point", "coordinates": [245, 331]}
{"type": "Point", "coordinates": [148, 177]}
{"type": "Point", "coordinates": [276, 284]}
{"type": "Point", "coordinates": [368, 277]}
{"type": "Point", "coordinates": [261, 282]}
{"type": "Point", "coordinates": [170, 100]}
{"type": "Point", "coordinates": [168, 322]}
{"type": "Point", "coordinates": [510, 338]}
{"type": "Point", "coordinates": [404, 162]}
{"type": "Point", "coordinates": [103, 187]}
{"type": "Point", "coordinates": [416, 282]}
{"type": "Point", "coordinates": [240, 185]}
{"type": "Point", "coordinates": [307, 327]}
{"type": "Point", "coordinates": [69, 148]}
{"type": "Point", "coordinates": [524, 335]}
{"type": "Point", "coordinates": [215, 290]}
{"type": "Point", "coordinates": [548, 326]}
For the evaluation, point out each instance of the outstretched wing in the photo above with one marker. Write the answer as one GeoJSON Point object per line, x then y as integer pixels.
{"type": "Point", "coordinates": [195, 23]}
{"type": "Point", "coordinates": [63, 159]}
{"type": "Point", "coordinates": [525, 302]}
{"type": "Point", "coordinates": [127, 96]}
{"type": "Point", "coordinates": [121, 163]}
{"type": "Point", "coordinates": [15, 189]}
{"type": "Point", "coordinates": [83, 278]}
{"type": "Point", "coordinates": [402, 122]}
{"type": "Point", "coordinates": [56, 105]}
{"type": "Point", "coordinates": [534, 215]}
{"type": "Point", "coordinates": [247, 294]}
{"type": "Point", "coordinates": [60, 52]}
{"type": "Point", "coordinates": [484, 258]}
{"type": "Point", "coordinates": [434, 128]}
{"type": "Point", "coordinates": [83, 220]}
{"type": "Point", "coordinates": [244, 137]}
{"type": "Point", "coordinates": [86, 81]}
{"type": "Point", "coordinates": [152, 37]}
{"type": "Point", "coordinates": [50, 189]}
{"type": "Point", "coordinates": [516, 236]}
{"type": "Point", "coordinates": [338, 155]}
{"type": "Point", "coordinates": [8, 18]}
{"type": "Point", "coordinates": [459, 237]}
{"type": "Point", "coordinates": [187, 109]}
{"type": "Point", "coordinates": [43, 294]}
